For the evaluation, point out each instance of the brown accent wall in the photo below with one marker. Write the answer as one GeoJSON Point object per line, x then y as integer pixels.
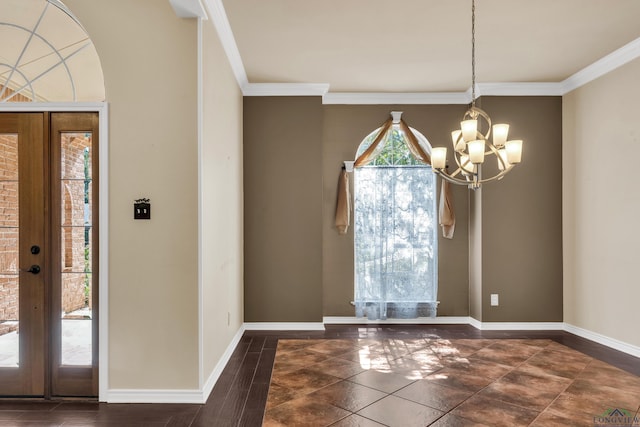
{"type": "Point", "coordinates": [283, 209]}
{"type": "Point", "coordinates": [522, 216]}
{"type": "Point", "coordinates": [297, 267]}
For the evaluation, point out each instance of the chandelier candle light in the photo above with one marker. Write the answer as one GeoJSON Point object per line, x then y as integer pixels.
{"type": "Point", "coordinates": [470, 145]}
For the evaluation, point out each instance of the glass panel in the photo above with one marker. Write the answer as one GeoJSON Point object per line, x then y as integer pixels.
{"type": "Point", "coordinates": [54, 58]}
{"type": "Point", "coordinates": [9, 244]}
{"type": "Point", "coordinates": [76, 253]}
{"type": "Point", "coordinates": [395, 242]}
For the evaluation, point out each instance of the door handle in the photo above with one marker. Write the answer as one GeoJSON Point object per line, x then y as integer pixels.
{"type": "Point", "coordinates": [34, 269]}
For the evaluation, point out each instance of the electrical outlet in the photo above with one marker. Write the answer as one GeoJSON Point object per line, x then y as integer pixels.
{"type": "Point", "coordinates": [494, 300]}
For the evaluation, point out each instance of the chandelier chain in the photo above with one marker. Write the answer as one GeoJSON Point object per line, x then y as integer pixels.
{"type": "Point", "coordinates": [473, 53]}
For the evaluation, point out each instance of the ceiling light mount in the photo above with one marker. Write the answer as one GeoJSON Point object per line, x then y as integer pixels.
{"type": "Point", "coordinates": [471, 145]}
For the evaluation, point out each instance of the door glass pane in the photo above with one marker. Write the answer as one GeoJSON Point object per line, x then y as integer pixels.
{"type": "Point", "coordinates": [9, 243]}
{"type": "Point", "coordinates": [75, 230]}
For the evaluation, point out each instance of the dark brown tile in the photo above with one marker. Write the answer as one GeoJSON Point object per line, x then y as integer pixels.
{"type": "Point", "coordinates": [425, 361]}
{"type": "Point", "coordinates": [549, 419]}
{"type": "Point", "coordinates": [296, 359]}
{"type": "Point", "coordinates": [479, 367]}
{"type": "Point", "coordinates": [356, 420]}
{"type": "Point", "coordinates": [13, 405]}
{"type": "Point", "coordinates": [459, 379]}
{"type": "Point", "coordinates": [304, 411]}
{"type": "Point", "coordinates": [519, 394]}
{"type": "Point", "coordinates": [279, 395]}
{"type": "Point", "coordinates": [598, 372]}
{"type": "Point", "coordinates": [560, 363]}
{"type": "Point", "coordinates": [304, 380]}
{"type": "Point", "coordinates": [511, 354]}
{"type": "Point", "coordinates": [524, 376]}
{"type": "Point", "coordinates": [385, 382]}
{"type": "Point", "coordinates": [338, 367]}
{"type": "Point", "coordinates": [450, 420]}
{"type": "Point", "coordinates": [433, 395]}
{"type": "Point", "coordinates": [334, 347]}
{"type": "Point", "coordinates": [609, 396]}
{"type": "Point", "coordinates": [394, 411]}
{"type": "Point", "coordinates": [348, 395]}
{"type": "Point", "coordinates": [494, 412]}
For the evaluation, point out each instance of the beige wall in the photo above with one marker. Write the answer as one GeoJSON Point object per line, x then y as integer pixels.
{"type": "Point", "coordinates": [601, 205]}
{"type": "Point", "coordinates": [222, 202]}
{"type": "Point", "coordinates": [149, 61]}
{"type": "Point", "coordinates": [283, 209]}
{"type": "Point", "coordinates": [522, 216]}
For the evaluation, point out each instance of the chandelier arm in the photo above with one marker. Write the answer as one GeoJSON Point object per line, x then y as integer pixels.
{"type": "Point", "coordinates": [452, 179]}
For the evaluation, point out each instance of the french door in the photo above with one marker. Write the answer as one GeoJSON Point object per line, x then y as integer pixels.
{"type": "Point", "coordinates": [48, 254]}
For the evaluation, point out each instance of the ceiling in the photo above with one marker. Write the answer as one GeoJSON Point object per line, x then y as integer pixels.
{"type": "Point", "coordinates": [425, 45]}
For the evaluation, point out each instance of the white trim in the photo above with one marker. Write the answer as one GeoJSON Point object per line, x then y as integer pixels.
{"type": "Point", "coordinates": [443, 320]}
{"type": "Point", "coordinates": [40, 107]}
{"type": "Point", "coordinates": [103, 222]}
{"type": "Point", "coordinates": [285, 89]}
{"type": "Point", "coordinates": [222, 363]}
{"type": "Point", "coordinates": [475, 323]}
{"type": "Point", "coordinates": [221, 23]}
{"type": "Point", "coordinates": [155, 396]}
{"type": "Point", "coordinates": [199, 124]}
{"type": "Point", "coordinates": [604, 340]}
{"type": "Point", "coordinates": [605, 65]}
{"type": "Point", "coordinates": [103, 259]}
{"type": "Point", "coordinates": [284, 326]}
{"type": "Point", "coordinates": [188, 8]}
{"type": "Point", "coordinates": [519, 89]}
{"type": "Point", "coordinates": [518, 326]}
{"type": "Point", "coordinates": [370, 98]}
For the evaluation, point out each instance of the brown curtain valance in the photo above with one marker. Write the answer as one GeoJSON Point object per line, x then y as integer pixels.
{"type": "Point", "coordinates": [447, 217]}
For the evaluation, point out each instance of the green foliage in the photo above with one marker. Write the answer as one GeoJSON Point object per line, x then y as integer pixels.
{"type": "Point", "coordinates": [392, 151]}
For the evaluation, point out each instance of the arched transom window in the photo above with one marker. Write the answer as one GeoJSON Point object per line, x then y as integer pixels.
{"type": "Point", "coordinates": [395, 226]}
{"type": "Point", "coordinates": [46, 55]}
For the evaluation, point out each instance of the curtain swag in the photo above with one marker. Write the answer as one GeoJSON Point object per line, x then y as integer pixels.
{"type": "Point", "coordinates": [446, 214]}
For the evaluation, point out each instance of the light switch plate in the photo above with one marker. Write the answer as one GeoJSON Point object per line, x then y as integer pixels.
{"type": "Point", "coordinates": [494, 300]}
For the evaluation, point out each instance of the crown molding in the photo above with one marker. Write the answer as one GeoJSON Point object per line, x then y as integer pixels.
{"type": "Point", "coordinates": [221, 23]}
{"type": "Point", "coordinates": [519, 89]}
{"type": "Point", "coordinates": [285, 89]}
{"type": "Point", "coordinates": [615, 59]}
{"type": "Point", "coordinates": [380, 98]}
{"type": "Point", "coordinates": [188, 8]}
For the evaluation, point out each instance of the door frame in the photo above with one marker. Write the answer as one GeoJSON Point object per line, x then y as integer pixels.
{"type": "Point", "coordinates": [102, 108]}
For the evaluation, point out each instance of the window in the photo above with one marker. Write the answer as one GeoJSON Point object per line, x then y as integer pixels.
{"type": "Point", "coordinates": [395, 226]}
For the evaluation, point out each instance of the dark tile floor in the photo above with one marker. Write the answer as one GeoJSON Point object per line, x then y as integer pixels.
{"type": "Point", "coordinates": [448, 375]}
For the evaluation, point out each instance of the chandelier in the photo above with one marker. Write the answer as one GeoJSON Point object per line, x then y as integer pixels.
{"type": "Point", "coordinates": [471, 146]}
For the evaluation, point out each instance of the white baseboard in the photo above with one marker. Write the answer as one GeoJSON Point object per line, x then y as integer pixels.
{"type": "Point", "coordinates": [604, 340]}
{"type": "Point", "coordinates": [154, 396]}
{"type": "Point", "coordinates": [517, 326]}
{"type": "Point", "coordinates": [444, 320]}
{"type": "Point", "coordinates": [284, 326]}
{"type": "Point", "coordinates": [217, 370]}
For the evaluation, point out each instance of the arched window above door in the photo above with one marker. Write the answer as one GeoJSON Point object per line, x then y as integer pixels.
{"type": "Point", "coordinates": [46, 55]}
